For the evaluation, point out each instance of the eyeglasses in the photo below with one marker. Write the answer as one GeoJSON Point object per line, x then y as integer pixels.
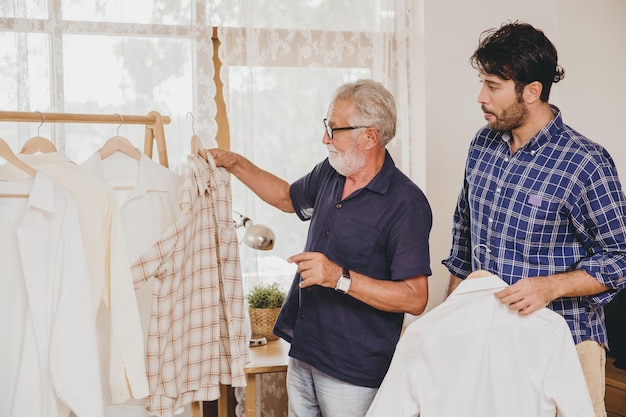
{"type": "Point", "coordinates": [331, 130]}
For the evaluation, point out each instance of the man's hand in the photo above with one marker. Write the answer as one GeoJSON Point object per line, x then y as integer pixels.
{"type": "Point", "coordinates": [224, 159]}
{"type": "Point", "coordinates": [527, 295]}
{"type": "Point", "coordinates": [316, 269]}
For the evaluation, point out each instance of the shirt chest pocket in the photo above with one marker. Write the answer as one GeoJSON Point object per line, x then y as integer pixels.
{"type": "Point", "coordinates": [539, 218]}
{"type": "Point", "coordinates": [353, 243]}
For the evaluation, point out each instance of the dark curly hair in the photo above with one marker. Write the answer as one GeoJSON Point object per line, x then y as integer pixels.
{"type": "Point", "coordinates": [519, 52]}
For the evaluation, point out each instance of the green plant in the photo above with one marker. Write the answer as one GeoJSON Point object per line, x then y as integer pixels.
{"type": "Point", "coordinates": [266, 296]}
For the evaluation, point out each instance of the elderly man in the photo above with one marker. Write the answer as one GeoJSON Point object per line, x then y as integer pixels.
{"type": "Point", "coordinates": [366, 259]}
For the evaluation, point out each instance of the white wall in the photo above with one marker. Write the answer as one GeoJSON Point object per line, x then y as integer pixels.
{"type": "Point", "coordinates": [589, 36]}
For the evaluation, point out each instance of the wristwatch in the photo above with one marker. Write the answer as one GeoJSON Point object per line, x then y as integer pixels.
{"type": "Point", "coordinates": [344, 281]}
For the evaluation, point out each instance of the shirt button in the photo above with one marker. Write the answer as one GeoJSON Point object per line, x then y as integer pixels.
{"type": "Point", "coordinates": [498, 190]}
{"type": "Point", "coordinates": [506, 159]}
{"type": "Point", "coordinates": [326, 233]}
{"type": "Point", "coordinates": [302, 316]}
{"type": "Point", "coordinates": [490, 220]}
{"type": "Point", "coordinates": [338, 205]}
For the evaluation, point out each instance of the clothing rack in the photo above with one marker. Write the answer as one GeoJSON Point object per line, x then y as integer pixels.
{"type": "Point", "coordinates": [153, 122]}
{"type": "Point", "coordinates": [155, 131]}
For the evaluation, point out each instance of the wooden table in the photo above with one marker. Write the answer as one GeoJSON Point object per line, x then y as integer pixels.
{"type": "Point", "coordinates": [615, 396]}
{"type": "Point", "coordinates": [271, 357]}
{"type": "Point", "coordinates": [263, 359]}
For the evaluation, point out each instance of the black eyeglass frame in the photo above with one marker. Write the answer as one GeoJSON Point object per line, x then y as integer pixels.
{"type": "Point", "coordinates": [331, 130]}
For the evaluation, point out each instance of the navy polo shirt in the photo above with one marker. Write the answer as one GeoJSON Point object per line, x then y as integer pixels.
{"type": "Point", "coordinates": [380, 231]}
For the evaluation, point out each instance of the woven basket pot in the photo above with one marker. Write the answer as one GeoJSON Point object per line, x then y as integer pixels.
{"type": "Point", "coordinates": [262, 322]}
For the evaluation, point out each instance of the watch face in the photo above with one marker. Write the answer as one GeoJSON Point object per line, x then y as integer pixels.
{"type": "Point", "coordinates": [343, 284]}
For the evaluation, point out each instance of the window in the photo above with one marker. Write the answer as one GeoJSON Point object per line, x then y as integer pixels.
{"type": "Point", "coordinates": [280, 65]}
{"type": "Point", "coordinates": [93, 56]}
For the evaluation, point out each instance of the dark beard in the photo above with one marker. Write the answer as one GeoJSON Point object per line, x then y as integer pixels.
{"type": "Point", "coordinates": [511, 118]}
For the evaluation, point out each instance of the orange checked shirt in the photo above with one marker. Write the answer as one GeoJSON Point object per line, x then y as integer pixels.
{"type": "Point", "coordinates": [197, 336]}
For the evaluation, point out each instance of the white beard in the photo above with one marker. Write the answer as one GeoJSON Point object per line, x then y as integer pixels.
{"type": "Point", "coordinates": [349, 163]}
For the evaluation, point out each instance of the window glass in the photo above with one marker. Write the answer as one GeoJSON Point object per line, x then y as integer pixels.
{"type": "Point", "coordinates": [30, 9]}
{"type": "Point", "coordinates": [30, 89]}
{"type": "Point", "coordinates": [338, 15]}
{"type": "Point", "coordinates": [25, 80]}
{"type": "Point", "coordinates": [132, 75]}
{"type": "Point", "coordinates": [169, 12]}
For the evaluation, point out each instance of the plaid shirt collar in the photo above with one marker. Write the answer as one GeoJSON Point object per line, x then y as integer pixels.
{"type": "Point", "coordinates": [542, 137]}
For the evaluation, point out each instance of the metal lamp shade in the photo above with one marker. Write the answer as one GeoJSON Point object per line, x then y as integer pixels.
{"type": "Point", "coordinates": [259, 237]}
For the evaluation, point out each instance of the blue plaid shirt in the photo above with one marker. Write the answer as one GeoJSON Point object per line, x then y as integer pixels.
{"type": "Point", "coordinates": [556, 205]}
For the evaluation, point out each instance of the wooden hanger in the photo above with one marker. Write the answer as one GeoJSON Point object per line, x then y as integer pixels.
{"type": "Point", "coordinates": [197, 148]}
{"type": "Point", "coordinates": [480, 273]}
{"type": "Point", "coordinates": [119, 144]}
{"type": "Point", "coordinates": [38, 143]}
{"type": "Point", "coordinates": [196, 142]}
{"type": "Point", "coordinates": [9, 156]}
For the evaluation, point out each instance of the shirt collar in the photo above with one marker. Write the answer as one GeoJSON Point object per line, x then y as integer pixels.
{"type": "Point", "coordinates": [148, 178]}
{"type": "Point", "coordinates": [41, 195]}
{"type": "Point", "coordinates": [40, 189]}
{"type": "Point", "coordinates": [382, 180]}
{"type": "Point", "coordinates": [490, 283]}
{"type": "Point", "coordinates": [545, 134]}
{"type": "Point", "coordinates": [200, 167]}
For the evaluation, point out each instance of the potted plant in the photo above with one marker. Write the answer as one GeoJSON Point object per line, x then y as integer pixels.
{"type": "Point", "coordinates": [264, 302]}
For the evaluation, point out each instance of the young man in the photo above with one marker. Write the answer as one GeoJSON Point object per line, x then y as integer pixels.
{"type": "Point", "coordinates": [366, 259]}
{"type": "Point", "coordinates": [541, 205]}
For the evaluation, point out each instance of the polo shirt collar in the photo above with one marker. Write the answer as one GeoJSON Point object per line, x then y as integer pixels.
{"type": "Point", "coordinates": [382, 180]}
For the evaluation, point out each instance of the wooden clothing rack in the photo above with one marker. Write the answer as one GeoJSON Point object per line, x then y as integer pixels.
{"type": "Point", "coordinates": [153, 121]}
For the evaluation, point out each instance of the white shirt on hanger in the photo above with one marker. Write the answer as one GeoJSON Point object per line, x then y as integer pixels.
{"type": "Point", "coordinates": [95, 203]}
{"type": "Point", "coordinates": [48, 354]}
{"type": "Point", "coordinates": [471, 356]}
{"type": "Point", "coordinates": [122, 351]}
{"type": "Point", "coordinates": [147, 196]}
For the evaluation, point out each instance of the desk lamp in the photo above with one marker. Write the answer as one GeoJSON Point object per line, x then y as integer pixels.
{"type": "Point", "coordinates": [257, 236]}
